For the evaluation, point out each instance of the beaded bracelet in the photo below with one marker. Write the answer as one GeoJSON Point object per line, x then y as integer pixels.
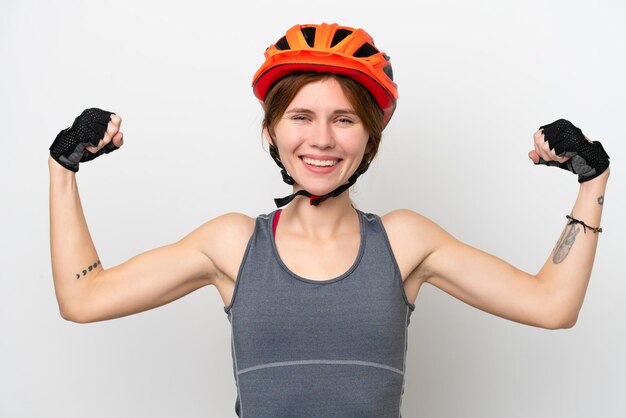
{"type": "Point", "coordinates": [573, 220]}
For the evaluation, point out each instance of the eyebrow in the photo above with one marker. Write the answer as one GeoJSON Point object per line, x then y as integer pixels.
{"type": "Point", "coordinates": [309, 111]}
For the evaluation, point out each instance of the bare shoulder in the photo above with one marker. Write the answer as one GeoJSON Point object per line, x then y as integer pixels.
{"type": "Point", "coordinates": [405, 222]}
{"type": "Point", "coordinates": [227, 230]}
{"type": "Point", "coordinates": [224, 240]}
{"type": "Point", "coordinates": [412, 237]}
{"type": "Point", "coordinates": [237, 224]}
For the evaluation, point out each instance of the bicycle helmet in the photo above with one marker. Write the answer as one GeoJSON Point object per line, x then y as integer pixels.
{"type": "Point", "coordinates": [334, 49]}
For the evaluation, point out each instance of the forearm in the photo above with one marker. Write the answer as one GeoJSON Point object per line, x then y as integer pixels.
{"type": "Point", "coordinates": [74, 256]}
{"type": "Point", "coordinates": [567, 272]}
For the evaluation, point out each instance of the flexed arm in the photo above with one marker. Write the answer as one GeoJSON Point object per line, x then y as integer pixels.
{"type": "Point", "coordinates": [72, 250]}
{"type": "Point", "coordinates": [568, 268]}
{"type": "Point", "coordinates": [551, 298]}
{"type": "Point", "coordinates": [86, 291]}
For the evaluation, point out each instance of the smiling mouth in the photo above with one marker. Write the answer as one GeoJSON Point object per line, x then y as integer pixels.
{"type": "Point", "coordinates": [319, 163]}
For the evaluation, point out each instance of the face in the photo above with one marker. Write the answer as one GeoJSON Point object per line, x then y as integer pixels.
{"type": "Point", "coordinates": [320, 138]}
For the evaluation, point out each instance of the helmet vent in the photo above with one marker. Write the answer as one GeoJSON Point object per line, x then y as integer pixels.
{"type": "Point", "coordinates": [366, 50]}
{"type": "Point", "coordinates": [309, 35]}
{"type": "Point", "coordinates": [387, 70]}
{"type": "Point", "coordinates": [282, 44]}
{"type": "Point", "coordinates": [339, 36]}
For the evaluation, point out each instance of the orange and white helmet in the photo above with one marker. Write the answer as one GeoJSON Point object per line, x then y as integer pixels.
{"type": "Point", "coordinates": [330, 48]}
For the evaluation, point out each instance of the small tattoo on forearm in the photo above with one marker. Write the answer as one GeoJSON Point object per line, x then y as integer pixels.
{"type": "Point", "coordinates": [601, 200]}
{"type": "Point", "coordinates": [565, 244]}
{"type": "Point", "coordinates": [87, 270]}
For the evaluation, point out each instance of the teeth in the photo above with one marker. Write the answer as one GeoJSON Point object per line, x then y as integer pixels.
{"type": "Point", "coordinates": [319, 163]}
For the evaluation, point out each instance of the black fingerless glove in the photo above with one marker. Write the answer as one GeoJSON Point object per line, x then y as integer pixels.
{"type": "Point", "coordinates": [587, 159]}
{"type": "Point", "coordinates": [69, 147]}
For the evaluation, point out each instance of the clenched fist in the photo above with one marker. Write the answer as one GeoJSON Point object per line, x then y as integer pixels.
{"type": "Point", "coordinates": [93, 133]}
{"type": "Point", "coordinates": [563, 145]}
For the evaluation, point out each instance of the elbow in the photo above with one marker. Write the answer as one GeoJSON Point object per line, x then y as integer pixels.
{"type": "Point", "coordinates": [558, 310]}
{"type": "Point", "coordinates": [69, 315]}
{"type": "Point", "coordinates": [569, 322]}
{"type": "Point", "coordinates": [75, 307]}
{"type": "Point", "coordinates": [73, 314]}
{"type": "Point", "coordinates": [561, 321]}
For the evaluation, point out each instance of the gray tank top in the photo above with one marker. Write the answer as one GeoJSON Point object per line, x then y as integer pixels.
{"type": "Point", "coordinates": [304, 348]}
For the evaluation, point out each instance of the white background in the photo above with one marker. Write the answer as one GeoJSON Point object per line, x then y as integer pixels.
{"type": "Point", "coordinates": [476, 79]}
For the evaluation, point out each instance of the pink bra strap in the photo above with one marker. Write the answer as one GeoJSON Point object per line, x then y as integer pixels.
{"type": "Point", "coordinates": [275, 221]}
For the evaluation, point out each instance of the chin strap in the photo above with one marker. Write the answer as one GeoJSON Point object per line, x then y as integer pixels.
{"type": "Point", "coordinates": [314, 199]}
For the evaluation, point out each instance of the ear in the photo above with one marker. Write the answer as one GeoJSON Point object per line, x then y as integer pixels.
{"type": "Point", "coordinates": [268, 136]}
{"type": "Point", "coordinates": [369, 146]}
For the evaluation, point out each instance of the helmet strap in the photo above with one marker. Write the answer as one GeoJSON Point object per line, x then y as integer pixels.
{"type": "Point", "coordinates": [314, 199]}
{"type": "Point", "coordinates": [283, 171]}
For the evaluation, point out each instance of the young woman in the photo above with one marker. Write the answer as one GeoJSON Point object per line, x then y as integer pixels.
{"type": "Point", "coordinates": [319, 294]}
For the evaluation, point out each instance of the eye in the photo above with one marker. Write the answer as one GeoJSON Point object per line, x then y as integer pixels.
{"type": "Point", "coordinates": [299, 117]}
{"type": "Point", "coordinates": [345, 120]}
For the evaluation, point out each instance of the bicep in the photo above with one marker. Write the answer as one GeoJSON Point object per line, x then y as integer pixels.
{"type": "Point", "coordinates": [486, 282]}
{"type": "Point", "coordinates": [151, 279]}
{"type": "Point", "coordinates": [146, 281]}
{"type": "Point", "coordinates": [209, 255]}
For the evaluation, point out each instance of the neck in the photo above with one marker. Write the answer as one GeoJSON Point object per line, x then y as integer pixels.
{"type": "Point", "coordinates": [326, 219]}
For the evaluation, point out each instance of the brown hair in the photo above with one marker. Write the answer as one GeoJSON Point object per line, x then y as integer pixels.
{"type": "Point", "coordinates": [282, 93]}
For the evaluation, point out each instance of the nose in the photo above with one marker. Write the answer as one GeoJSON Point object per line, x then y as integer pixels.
{"type": "Point", "coordinates": [322, 136]}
